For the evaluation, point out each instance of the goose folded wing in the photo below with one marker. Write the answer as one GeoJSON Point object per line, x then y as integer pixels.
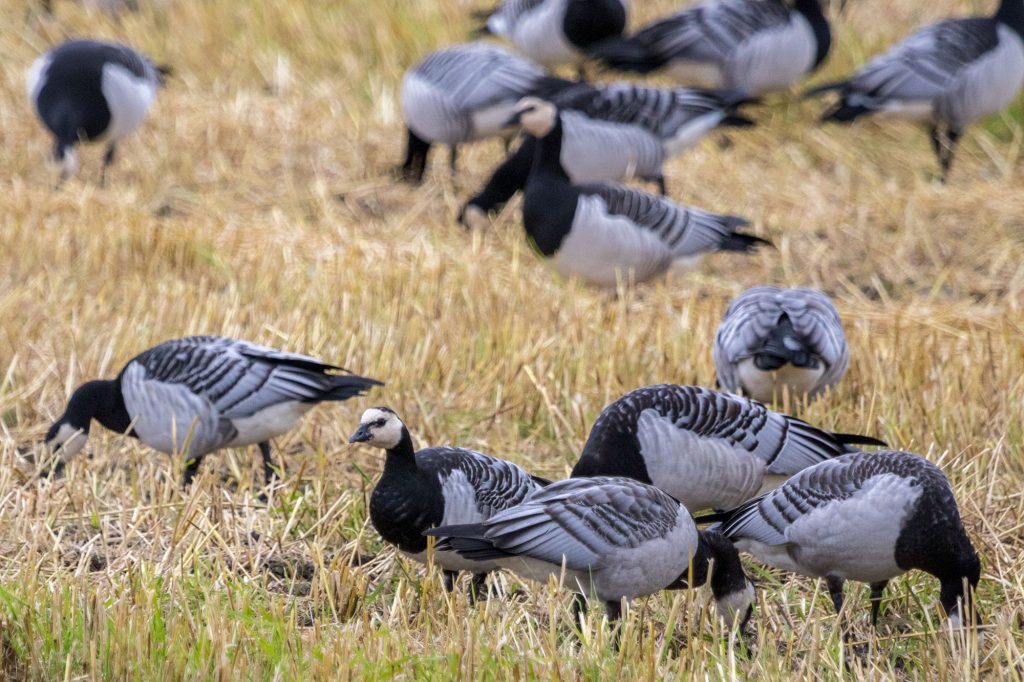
{"type": "Point", "coordinates": [816, 321]}
{"type": "Point", "coordinates": [132, 61]}
{"type": "Point", "coordinates": [492, 484]}
{"type": "Point", "coordinates": [478, 76]}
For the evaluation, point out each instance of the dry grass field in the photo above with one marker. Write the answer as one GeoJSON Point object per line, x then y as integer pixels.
{"type": "Point", "coordinates": [257, 202]}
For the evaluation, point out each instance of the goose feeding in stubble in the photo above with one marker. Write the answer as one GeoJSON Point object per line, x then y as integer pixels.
{"type": "Point", "coordinates": [707, 449]}
{"type": "Point", "coordinates": [92, 91]}
{"type": "Point", "coordinates": [614, 132]}
{"type": "Point", "coordinates": [866, 516]}
{"type": "Point", "coordinates": [462, 94]}
{"type": "Point", "coordinates": [199, 394]}
{"type": "Point", "coordinates": [774, 340]}
{"type": "Point", "coordinates": [612, 538]}
{"type": "Point", "coordinates": [437, 486]}
{"type": "Point", "coordinates": [557, 32]}
{"type": "Point", "coordinates": [756, 46]}
{"type": "Point", "coordinates": [947, 75]}
{"type": "Point", "coordinates": [605, 233]}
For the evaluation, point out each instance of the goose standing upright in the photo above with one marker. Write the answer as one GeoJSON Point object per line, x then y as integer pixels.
{"type": "Point", "coordinates": [614, 132]}
{"type": "Point", "coordinates": [92, 91]}
{"type": "Point", "coordinates": [709, 450]}
{"type": "Point", "coordinates": [756, 46]}
{"type": "Point", "coordinates": [437, 486]}
{"type": "Point", "coordinates": [869, 517]}
{"type": "Point", "coordinates": [199, 394]}
{"type": "Point", "coordinates": [461, 94]}
{"type": "Point", "coordinates": [557, 32]}
{"type": "Point", "coordinates": [773, 340]}
{"type": "Point", "coordinates": [948, 75]}
{"type": "Point", "coordinates": [614, 538]}
{"type": "Point", "coordinates": [603, 233]}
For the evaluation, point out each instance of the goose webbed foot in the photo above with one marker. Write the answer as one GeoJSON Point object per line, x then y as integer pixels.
{"type": "Point", "coordinates": [191, 468]}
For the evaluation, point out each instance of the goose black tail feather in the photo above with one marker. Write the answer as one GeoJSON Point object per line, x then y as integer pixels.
{"type": "Point", "coordinates": [345, 386]}
{"type": "Point", "coordinates": [625, 54]}
{"type": "Point", "coordinates": [737, 121]}
{"type": "Point", "coordinates": [467, 540]}
{"type": "Point", "coordinates": [822, 89]}
{"type": "Point", "coordinates": [164, 71]}
{"type": "Point", "coordinates": [744, 243]}
{"type": "Point", "coordinates": [844, 113]}
{"type": "Point", "coordinates": [851, 439]}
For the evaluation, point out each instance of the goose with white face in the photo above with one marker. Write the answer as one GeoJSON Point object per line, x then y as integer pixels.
{"type": "Point", "coordinates": [536, 116]}
{"type": "Point", "coordinates": [379, 427]}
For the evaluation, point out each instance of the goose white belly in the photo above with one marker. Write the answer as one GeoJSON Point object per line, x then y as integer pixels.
{"type": "Point", "coordinates": [602, 248]}
{"type": "Point", "coordinates": [128, 99]}
{"type": "Point", "coordinates": [268, 423]}
{"type": "Point", "coordinates": [702, 473]}
{"type": "Point", "coordinates": [539, 35]}
{"type": "Point", "coordinates": [773, 59]}
{"type": "Point", "coordinates": [853, 539]}
{"type": "Point", "coordinates": [429, 113]}
{"type": "Point", "coordinates": [766, 386]}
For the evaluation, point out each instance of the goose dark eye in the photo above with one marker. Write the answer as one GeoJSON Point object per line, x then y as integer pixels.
{"type": "Point", "coordinates": [379, 423]}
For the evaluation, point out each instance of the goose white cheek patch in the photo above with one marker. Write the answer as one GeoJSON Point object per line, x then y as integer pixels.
{"type": "Point", "coordinates": [70, 441]}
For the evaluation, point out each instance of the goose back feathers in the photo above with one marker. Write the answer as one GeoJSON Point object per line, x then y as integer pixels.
{"type": "Point", "coordinates": [773, 339]}
{"type": "Point", "coordinates": [863, 516]}
{"type": "Point", "coordinates": [704, 448]}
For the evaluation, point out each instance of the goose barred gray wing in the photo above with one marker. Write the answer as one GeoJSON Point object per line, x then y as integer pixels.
{"type": "Point", "coordinates": [137, 64]}
{"type": "Point", "coordinates": [478, 74]}
{"type": "Point", "coordinates": [240, 379]}
{"type": "Point", "coordinates": [752, 317]}
{"type": "Point", "coordinates": [684, 231]}
{"type": "Point", "coordinates": [475, 484]}
{"type": "Point", "coordinates": [583, 521]}
{"type": "Point", "coordinates": [508, 13]}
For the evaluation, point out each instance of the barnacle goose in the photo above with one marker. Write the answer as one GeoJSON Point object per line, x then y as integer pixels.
{"type": "Point", "coordinates": [87, 90]}
{"type": "Point", "coordinates": [613, 132]}
{"type": "Point", "coordinates": [869, 517]}
{"type": "Point", "coordinates": [947, 75]}
{"type": "Point", "coordinates": [199, 394]}
{"type": "Point", "coordinates": [613, 538]}
{"type": "Point", "coordinates": [603, 232]}
{"type": "Point", "coordinates": [557, 32]}
{"type": "Point", "coordinates": [461, 94]}
{"type": "Point", "coordinates": [704, 448]}
{"type": "Point", "coordinates": [437, 486]}
{"type": "Point", "coordinates": [756, 46]}
{"type": "Point", "coordinates": [773, 340]}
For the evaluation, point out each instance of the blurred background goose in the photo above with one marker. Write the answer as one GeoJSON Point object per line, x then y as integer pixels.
{"type": "Point", "coordinates": [612, 538]}
{"type": "Point", "coordinates": [199, 394]}
{"type": "Point", "coordinates": [869, 517]}
{"type": "Point", "coordinates": [709, 450]}
{"type": "Point", "coordinates": [92, 91]}
{"type": "Point", "coordinates": [773, 341]}
{"type": "Point", "coordinates": [756, 46]}
{"type": "Point", "coordinates": [947, 75]}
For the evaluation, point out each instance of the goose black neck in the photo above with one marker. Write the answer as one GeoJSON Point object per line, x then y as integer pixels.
{"type": "Point", "coordinates": [811, 9]}
{"type": "Point", "coordinates": [588, 22]}
{"type": "Point", "coordinates": [100, 400]}
{"type": "Point", "coordinates": [403, 455]}
{"type": "Point", "coordinates": [727, 577]}
{"type": "Point", "coordinates": [1011, 13]}
{"type": "Point", "coordinates": [547, 162]}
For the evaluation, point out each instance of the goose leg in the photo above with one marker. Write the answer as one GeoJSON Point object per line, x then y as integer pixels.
{"type": "Point", "coordinates": [661, 185]}
{"type": "Point", "coordinates": [191, 467]}
{"type": "Point", "coordinates": [877, 589]}
{"type": "Point", "coordinates": [108, 159]}
{"type": "Point", "coordinates": [269, 472]}
{"type": "Point", "coordinates": [453, 158]}
{"type": "Point", "coordinates": [478, 588]}
{"type": "Point", "coordinates": [613, 609]}
{"type": "Point", "coordinates": [835, 590]}
{"type": "Point", "coordinates": [448, 579]}
{"type": "Point", "coordinates": [579, 609]}
{"type": "Point", "coordinates": [952, 137]}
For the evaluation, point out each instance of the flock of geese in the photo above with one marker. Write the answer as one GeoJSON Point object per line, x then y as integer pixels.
{"type": "Point", "coordinates": [673, 481]}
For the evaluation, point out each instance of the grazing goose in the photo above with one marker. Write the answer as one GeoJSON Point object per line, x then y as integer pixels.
{"type": "Point", "coordinates": [557, 32]}
{"type": "Point", "coordinates": [437, 486]}
{"type": "Point", "coordinates": [602, 232]}
{"type": "Point", "coordinates": [461, 94]}
{"type": "Point", "coordinates": [756, 46]}
{"type": "Point", "coordinates": [948, 75]}
{"type": "Point", "coordinates": [199, 394]}
{"type": "Point", "coordinates": [709, 450]}
{"type": "Point", "coordinates": [772, 340]}
{"type": "Point", "coordinates": [614, 132]}
{"type": "Point", "coordinates": [614, 538]}
{"type": "Point", "coordinates": [87, 90]}
{"type": "Point", "coordinates": [867, 516]}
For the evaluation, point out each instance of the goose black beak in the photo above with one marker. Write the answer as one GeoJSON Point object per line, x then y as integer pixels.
{"type": "Point", "coordinates": [360, 436]}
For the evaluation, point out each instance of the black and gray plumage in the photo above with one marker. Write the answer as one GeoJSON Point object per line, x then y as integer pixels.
{"type": "Point", "coordinates": [437, 486]}
{"type": "Point", "coordinates": [557, 32]}
{"type": "Point", "coordinates": [198, 394]}
{"type": "Point", "coordinates": [611, 538]}
{"type": "Point", "coordinates": [614, 132]}
{"type": "Point", "coordinates": [604, 233]}
{"type": "Point", "coordinates": [91, 91]}
{"type": "Point", "coordinates": [773, 341]}
{"type": "Point", "coordinates": [756, 46]}
{"type": "Point", "coordinates": [462, 94]}
{"type": "Point", "coordinates": [869, 517]}
{"type": "Point", "coordinates": [947, 75]}
{"type": "Point", "coordinates": [707, 449]}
